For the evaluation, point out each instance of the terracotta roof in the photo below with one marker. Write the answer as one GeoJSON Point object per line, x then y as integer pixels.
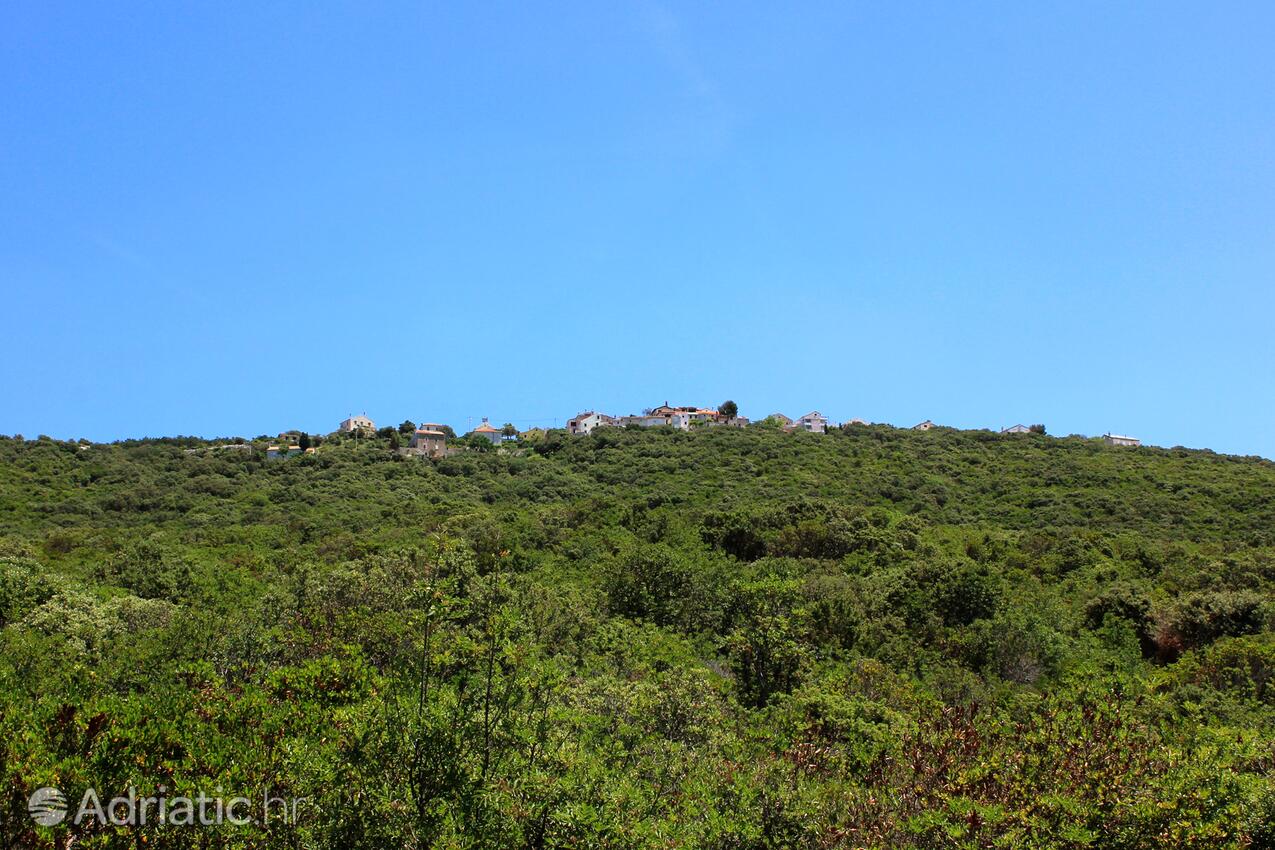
{"type": "Point", "coordinates": [485, 428]}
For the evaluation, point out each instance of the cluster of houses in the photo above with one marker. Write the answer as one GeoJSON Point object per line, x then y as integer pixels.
{"type": "Point", "coordinates": [681, 418]}
{"type": "Point", "coordinates": [814, 422]}
{"type": "Point", "coordinates": [289, 445]}
{"type": "Point", "coordinates": [430, 438]}
{"type": "Point", "coordinates": [685, 418]}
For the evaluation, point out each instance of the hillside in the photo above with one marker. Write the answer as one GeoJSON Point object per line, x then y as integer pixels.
{"type": "Point", "coordinates": [727, 638]}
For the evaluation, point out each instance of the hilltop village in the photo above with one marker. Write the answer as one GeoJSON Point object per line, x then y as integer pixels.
{"type": "Point", "coordinates": [436, 440]}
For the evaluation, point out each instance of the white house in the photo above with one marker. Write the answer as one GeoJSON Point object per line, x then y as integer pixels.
{"type": "Point", "coordinates": [813, 422]}
{"type": "Point", "coordinates": [1016, 429]}
{"type": "Point", "coordinates": [1120, 440]}
{"type": "Point", "coordinates": [641, 420]}
{"type": "Point", "coordinates": [924, 426]}
{"type": "Point", "coordinates": [485, 430]}
{"type": "Point", "coordinates": [584, 423]}
{"type": "Point", "coordinates": [356, 423]}
{"type": "Point", "coordinates": [677, 417]}
{"type": "Point", "coordinates": [699, 415]}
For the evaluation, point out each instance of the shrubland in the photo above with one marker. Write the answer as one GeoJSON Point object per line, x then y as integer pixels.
{"type": "Point", "coordinates": [727, 638]}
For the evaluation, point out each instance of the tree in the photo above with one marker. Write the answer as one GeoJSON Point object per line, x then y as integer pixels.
{"type": "Point", "coordinates": [408, 427]}
{"type": "Point", "coordinates": [305, 442]}
{"type": "Point", "coordinates": [509, 430]}
{"type": "Point", "coordinates": [651, 581]}
{"type": "Point", "coordinates": [737, 534]}
{"type": "Point", "coordinates": [149, 570]}
{"type": "Point", "coordinates": [964, 595]}
{"type": "Point", "coordinates": [728, 409]}
{"type": "Point", "coordinates": [765, 649]}
{"type": "Point", "coordinates": [1037, 429]}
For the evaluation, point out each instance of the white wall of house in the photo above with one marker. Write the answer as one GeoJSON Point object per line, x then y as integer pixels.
{"type": "Point", "coordinates": [357, 423]}
{"type": "Point", "coordinates": [587, 422]}
{"type": "Point", "coordinates": [813, 423]}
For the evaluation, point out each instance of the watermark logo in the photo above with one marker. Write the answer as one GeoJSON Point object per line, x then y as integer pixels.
{"type": "Point", "coordinates": [47, 806]}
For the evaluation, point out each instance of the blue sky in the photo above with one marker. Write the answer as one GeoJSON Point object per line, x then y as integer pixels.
{"type": "Point", "coordinates": [238, 218]}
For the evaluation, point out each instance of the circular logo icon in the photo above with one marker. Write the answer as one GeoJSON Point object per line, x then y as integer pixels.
{"type": "Point", "coordinates": [47, 806]}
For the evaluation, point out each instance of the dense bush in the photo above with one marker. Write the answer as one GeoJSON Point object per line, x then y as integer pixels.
{"type": "Point", "coordinates": [1203, 617]}
{"type": "Point", "coordinates": [730, 638]}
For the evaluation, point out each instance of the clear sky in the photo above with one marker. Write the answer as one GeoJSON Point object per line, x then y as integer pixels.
{"type": "Point", "coordinates": [236, 218]}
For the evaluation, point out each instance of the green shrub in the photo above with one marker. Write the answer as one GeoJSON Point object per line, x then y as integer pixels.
{"type": "Point", "coordinates": [649, 581]}
{"type": "Point", "coordinates": [966, 594]}
{"type": "Point", "coordinates": [1205, 616]}
{"type": "Point", "coordinates": [149, 570]}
